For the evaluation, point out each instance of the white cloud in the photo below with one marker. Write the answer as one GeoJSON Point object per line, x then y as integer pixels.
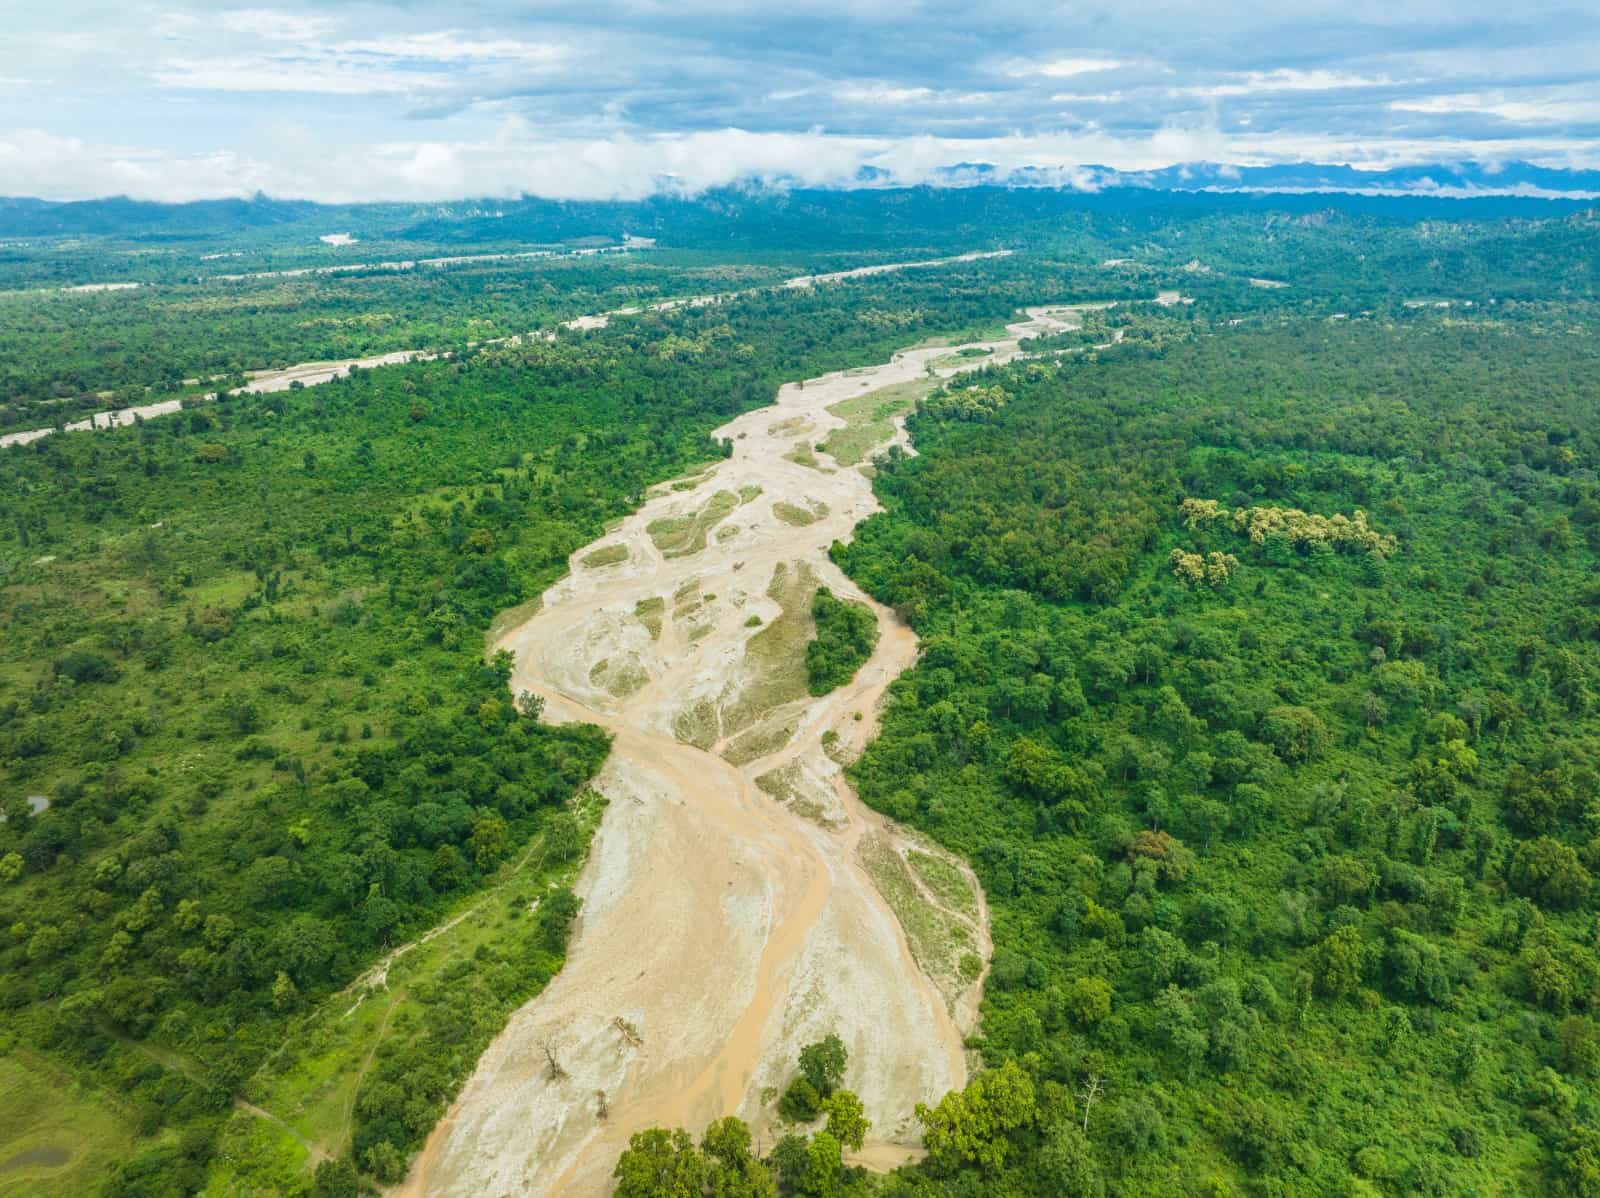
{"type": "Point", "coordinates": [881, 93]}
{"type": "Point", "coordinates": [1538, 107]}
{"type": "Point", "coordinates": [515, 158]}
{"type": "Point", "coordinates": [1251, 83]}
{"type": "Point", "coordinates": [381, 65]}
{"type": "Point", "coordinates": [275, 24]}
{"type": "Point", "coordinates": [1063, 68]}
{"type": "Point", "coordinates": [286, 73]}
{"type": "Point", "coordinates": [454, 47]}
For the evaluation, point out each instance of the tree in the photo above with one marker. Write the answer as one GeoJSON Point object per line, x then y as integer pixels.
{"type": "Point", "coordinates": [824, 1163]}
{"type": "Point", "coordinates": [1579, 1043]}
{"type": "Point", "coordinates": [1549, 872]}
{"type": "Point", "coordinates": [1297, 733]}
{"type": "Point", "coordinates": [660, 1164]}
{"type": "Point", "coordinates": [731, 1170]}
{"type": "Point", "coordinates": [822, 1064]}
{"type": "Point", "coordinates": [1577, 1162]}
{"type": "Point", "coordinates": [1338, 962]}
{"type": "Point", "coordinates": [1086, 1001]}
{"type": "Point", "coordinates": [284, 994]}
{"type": "Point", "coordinates": [972, 1126]}
{"type": "Point", "coordinates": [847, 1119]}
{"type": "Point", "coordinates": [335, 1179]}
{"type": "Point", "coordinates": [489, 839]}
{"type": "Point", "coordinates": [1067, 1167]}
{"type": "Point", "coordinates": [562, 839]}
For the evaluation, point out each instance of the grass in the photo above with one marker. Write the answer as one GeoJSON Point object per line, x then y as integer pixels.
{"type": "Point", "coordinates": [797, 516]}
{"type": "Point", "coordinates": [802, 455]}
{"type": "Point", "coordinates": [775, 657]}
{"type": "Point", "coordinates": [759, 741]}
{"type": "Point", "coordinates": [937, 942]}
{"type": "Point", "coordinates": [679, 536]}
{"type": "Point", "coordinates": [947, 882]}
{"type": "Point", "coordinates": [649, 612]}
{"type": "Point", "coordinates": [56, 1138]}
{"type": "Point", "coordinates": [606, 555]}
{"type": "Point", "coordinates": [961, 357]}
{"type": "Point", "coordinates": [781, 782]}
{"type": "Point", "coordinates": [869, 419]}
{"type": "Point", "coordinates": [792, 427]}
{"type": "Point", "coordinates": [309, 1085]}
{"type": "Point", "coordinates": [697, 725]}
{"type": "Point", "coordinates": [619, 678]}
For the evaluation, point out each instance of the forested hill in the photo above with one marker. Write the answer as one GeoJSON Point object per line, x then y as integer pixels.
{"type": "Point", "coordinates": [1259, 686]}
{"type": "Point", "coordinates": [758, 216]}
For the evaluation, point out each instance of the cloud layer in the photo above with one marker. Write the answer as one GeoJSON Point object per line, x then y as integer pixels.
{"type": "Point", "coordinates": [427, 100]}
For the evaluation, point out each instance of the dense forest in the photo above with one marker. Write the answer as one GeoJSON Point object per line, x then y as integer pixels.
{"type": "Point", "coordinates": [248, 736]}
{"type": "Point", "coordinates": [1258, 685]}
{"type": "Point", "coordinates": [1260, 653]}
{"type": "Point", "coordinates": [198, 313]}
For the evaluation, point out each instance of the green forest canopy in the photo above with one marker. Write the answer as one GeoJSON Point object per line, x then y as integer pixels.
{"type": "Point", "coordinates": [1288, 833]}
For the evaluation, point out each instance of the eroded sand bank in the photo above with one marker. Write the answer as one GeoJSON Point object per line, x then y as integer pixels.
{"type": "Point", "coordinates": [730, 909]}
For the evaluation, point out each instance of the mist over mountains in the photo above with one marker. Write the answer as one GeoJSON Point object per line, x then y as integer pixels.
{"type": "Point", "coordinates": [975, 190]}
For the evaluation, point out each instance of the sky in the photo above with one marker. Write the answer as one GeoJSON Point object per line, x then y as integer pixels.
{"type": "Point", "coordinates": [444, 99]}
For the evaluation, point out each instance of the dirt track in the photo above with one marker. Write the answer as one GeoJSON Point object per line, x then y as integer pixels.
{"type": "Point", "coordinates": [722, 927]}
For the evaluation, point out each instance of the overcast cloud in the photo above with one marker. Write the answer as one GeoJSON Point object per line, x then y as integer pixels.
{"type": "Point", "coordinates": [440, 99]}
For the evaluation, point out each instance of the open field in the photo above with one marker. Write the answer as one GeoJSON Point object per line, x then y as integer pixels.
{"type": "Point", "coordinates": [57, 1139]}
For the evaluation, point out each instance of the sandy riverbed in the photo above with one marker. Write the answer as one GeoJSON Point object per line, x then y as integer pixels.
{"type": "Point", "coordinates": [727, 922]}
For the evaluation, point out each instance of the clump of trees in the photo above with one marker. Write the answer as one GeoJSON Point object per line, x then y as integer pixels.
{"type": "Point", "coordinates": [660, 1163]}
{"type": "Point", "coordinates": [847, 633]}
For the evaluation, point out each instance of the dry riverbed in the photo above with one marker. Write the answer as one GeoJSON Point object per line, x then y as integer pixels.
{"type": "Point", "coordinates": [740, 901]}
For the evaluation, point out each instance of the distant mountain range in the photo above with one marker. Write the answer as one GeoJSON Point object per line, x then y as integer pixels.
{"type": "Point", "coordinates": [1448, 180]}
{"type": "Point", "coordinates": [873, 202]}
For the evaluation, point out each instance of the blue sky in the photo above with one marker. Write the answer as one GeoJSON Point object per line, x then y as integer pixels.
{"type": "Point", "coordinates": [440, 99]}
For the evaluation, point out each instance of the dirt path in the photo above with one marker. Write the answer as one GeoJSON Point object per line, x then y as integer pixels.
{"type": "Point", "coordinates": [726, 921]}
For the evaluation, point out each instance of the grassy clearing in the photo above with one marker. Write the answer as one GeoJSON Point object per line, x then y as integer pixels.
{"type": "Point", "coordinates": [509, 619]}
{"type": "Point", "coordinates": [679, 536]}
{"type": "Point", "coordinates": [937, 942]}
{"type": "Point", "coordinates": [797, 516]}
{"type": "Point", "coordinates": [309, 1085]}
{"type": "Point", "coordinates": [782, 783]}
{"type": "Point", "coordinates": [56, 1138]}
{"type": "Point", "coordinates": [618, 677]}
{"type": "Point", "coordinates": [649, 612]}
{"type": "Point", "coordinates": [775, 657]}
{"type": "Point", "coordinates": [697, 725]}
{"type": "Point", "coordinates": [962, 357]}
{"type": "Point", "coordinates": [606, 555]}
{"type": "Point", "coordinates": [759, 741]}
{"type": "Point", "coordinates": [802, 455]}
{"type": "Point", "coordinates": [869, 419]}
{"type": "Point", "coordinates": [794, 426]}
{"type": "Point", "coordinates": [947, 882]}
